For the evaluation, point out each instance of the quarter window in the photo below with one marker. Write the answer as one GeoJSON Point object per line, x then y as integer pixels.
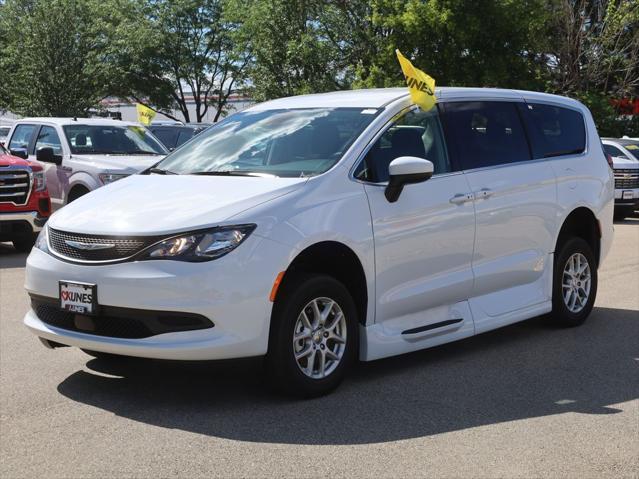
{"type": "Point", "coordinates": [555, 131]}
{"type": "Point", "coordinates": [48, 138]}
{"type": "Point", "coordinates": [21, 137]}
{"type": "Point", "coordinates": [417, 133]}
{"type": "Point", "coordinates": [486, 133]}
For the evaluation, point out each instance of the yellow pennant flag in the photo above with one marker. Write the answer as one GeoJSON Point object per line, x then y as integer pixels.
{"type": "Point", "coordinates": [420, 85]}
{"type": "Point", "coordinates": [145, 114]}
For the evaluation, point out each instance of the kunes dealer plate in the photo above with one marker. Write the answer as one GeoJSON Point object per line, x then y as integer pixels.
{"type": "Point", "coordinates": [78, 297]}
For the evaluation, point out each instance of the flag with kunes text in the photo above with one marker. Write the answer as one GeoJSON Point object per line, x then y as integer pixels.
{"type": "Point", "coordinates": [420, 85]}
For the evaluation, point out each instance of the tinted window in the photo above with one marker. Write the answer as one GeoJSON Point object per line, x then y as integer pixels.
{"type": "Point", "coordinates": [168, 136]}
{"type": "Point", "coordinates": [21, 137]}
{"type": "Point", "coordinates": [555, 131]}
{"type": "Point", "coordinates": [48, 138]}
{"type": "Point", "coordinates": [486, 133]}
{"type": "Point", "coordinates": [613, 151]}
{"type": "Point", "coordinates": [417, 133]}
{"type": "Point", "coordinates": [184, 136]}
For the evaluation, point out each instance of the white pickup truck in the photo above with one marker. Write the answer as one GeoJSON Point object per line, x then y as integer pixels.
{"type": "Point", "coordinates": [80, 154]}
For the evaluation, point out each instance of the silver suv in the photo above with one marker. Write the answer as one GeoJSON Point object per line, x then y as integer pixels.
{"type": "Point", "coordinates": [80, 154]}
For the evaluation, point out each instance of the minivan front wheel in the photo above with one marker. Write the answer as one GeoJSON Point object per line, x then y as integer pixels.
{"type": "Point", "coordinates": [575, 283]}
{"type": "Point", "coordinates": [313, 336]}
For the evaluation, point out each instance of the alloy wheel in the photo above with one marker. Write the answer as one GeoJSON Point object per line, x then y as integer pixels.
{"type": "Point", "coordinates": [576, 283]}
{"type": "Point", "coordinates": [319, 338]}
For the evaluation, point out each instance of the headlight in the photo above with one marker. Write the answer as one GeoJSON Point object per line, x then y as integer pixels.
{"type": "Point", "coordinates": [41, 240]}
{"type": "Point", "coordinates": [107, 178]}
{"type": "Point", "coordinates": [199, 246]}
{"type": "Point", "coordinates": [39, 181]}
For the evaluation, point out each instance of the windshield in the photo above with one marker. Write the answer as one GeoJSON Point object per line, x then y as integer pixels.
{"type": "Point", "coordinates": [112, 140]}
{"type": "Point", "coordinates": [633, 148]}
{"type": "Point", "coordinates": [287, 143]}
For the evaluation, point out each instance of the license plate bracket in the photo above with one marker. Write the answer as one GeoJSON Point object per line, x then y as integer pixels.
{"type": "Point", "coordinates": [81, 298]}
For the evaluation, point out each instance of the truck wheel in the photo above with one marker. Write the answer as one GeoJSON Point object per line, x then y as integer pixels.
{"type": "Point", "coordinates": [314, 336]}
{"type": "Point", "coordinates": [574, 284]}
{"type": "Point", "coordinates": [24, 245]}
{"type": "Point", "coordinates": [75, 193]}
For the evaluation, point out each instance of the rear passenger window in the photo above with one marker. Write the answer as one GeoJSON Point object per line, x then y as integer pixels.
{"type": "Point", "coordinates": [486, 133]}
{"type": "Point", "coordinates": [555, 131]}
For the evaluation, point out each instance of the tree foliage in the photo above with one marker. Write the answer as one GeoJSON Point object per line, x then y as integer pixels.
{"type": "Point", "coordinates": [51, 57]}
{"type": "Point", "coordinates": [64, 56]}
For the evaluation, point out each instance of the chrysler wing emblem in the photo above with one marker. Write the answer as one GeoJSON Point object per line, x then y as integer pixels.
{"type": "Point", "coordinates": [89, 246]}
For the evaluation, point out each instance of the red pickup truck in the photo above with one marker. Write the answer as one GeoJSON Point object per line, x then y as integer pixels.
{"type": "Point", "coordinates": [24, 200]}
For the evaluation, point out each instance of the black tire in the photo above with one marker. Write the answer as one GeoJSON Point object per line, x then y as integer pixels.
{"type": "Point", "coordinates": [561, 314]}
{"type": "Point", "coordinates": [101, 355]}
{"type": "Point", "coordinates": [281, 364]}
{"type": "Point", "coordinates": [76, 193]}
{"type": "Point", "coordinates": [24, 245]}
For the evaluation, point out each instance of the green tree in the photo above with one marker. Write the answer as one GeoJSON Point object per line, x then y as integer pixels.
{"type": "Point", "coordinates": [290, 50]}
{"type": "Point", "coordinates": [172, 51]}
{"type": "Point", "coordinates": [51, 57]}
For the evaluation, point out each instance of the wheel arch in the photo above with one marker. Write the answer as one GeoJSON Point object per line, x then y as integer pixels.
{"type": "Point", "coordinates": [337, 260]}
{"type": "Point", "coordinates": [583, 223]}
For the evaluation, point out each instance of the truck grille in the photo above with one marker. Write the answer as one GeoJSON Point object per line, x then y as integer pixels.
{"type": "Point", "coordinates": [76, 246]}
{"type": "Point", "coordinates": [626, 179]}
{"type": "Point", "coordinates": [15, 185]}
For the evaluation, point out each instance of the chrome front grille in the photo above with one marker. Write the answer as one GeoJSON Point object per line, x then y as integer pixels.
{"type": "Point", "coordinates": [626, 178]}
{"type": "Point", "coordinates": [92, 248]}
{"type": "Point", "coordinates": [15, 185]}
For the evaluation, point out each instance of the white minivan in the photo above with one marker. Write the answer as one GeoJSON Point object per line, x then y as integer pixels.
{"type": "Point", "coordinates": [319, 229]}
{"type": "Point", "coordinates": [82, 154]}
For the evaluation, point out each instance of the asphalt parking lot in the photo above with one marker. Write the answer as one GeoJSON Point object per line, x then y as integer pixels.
{"type": "Point", "coordinates": [525, 401]}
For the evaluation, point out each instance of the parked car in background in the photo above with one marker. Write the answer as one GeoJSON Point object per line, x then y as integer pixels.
{"type": "Point", "coordinates": [4, 132]}
{"type": "Point", "coordinates": [80, 155]}
{"type": "Point", "coordinates": [24, 201]}
{"type": "Point", "coordinates": [176, 134]}
{"type": "Point", "coordinates": [322, 228]}
{"type": "Point", "coordinates": [625, 159]}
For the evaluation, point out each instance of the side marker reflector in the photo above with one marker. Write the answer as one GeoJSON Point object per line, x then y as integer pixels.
{"type": "Point", "coordinates": [276, 285]}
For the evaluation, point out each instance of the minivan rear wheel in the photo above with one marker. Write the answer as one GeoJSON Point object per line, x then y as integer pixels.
{"type": "Point", "coordinates": [575, 283]}
{"type": "Point", "coordinates": [313, 338]}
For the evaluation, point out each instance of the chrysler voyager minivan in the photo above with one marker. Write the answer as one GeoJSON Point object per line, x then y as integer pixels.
{"type": "Point", "coordinates": [320, 229]}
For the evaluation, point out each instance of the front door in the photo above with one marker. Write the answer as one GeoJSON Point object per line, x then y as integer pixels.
{"type": "Point", "coordinates": [423, 241]}
{"type": "Point", "coordinates": [57, 175]}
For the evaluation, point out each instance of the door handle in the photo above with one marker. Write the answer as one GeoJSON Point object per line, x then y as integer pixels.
{"type": "Point", "coordinates": [461, 198]}
{"type": "Point", "coordinates": [484, 193]}
{"type": "Point", "coordinates": [68, 169]}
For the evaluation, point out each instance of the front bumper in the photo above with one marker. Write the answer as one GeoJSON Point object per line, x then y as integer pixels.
{"type": "Point", "coordinates": [232, 292]}
{"type": "Point", "coordinates": [631, 197]}
{"type": "Point", "coordinates": [15, 225]}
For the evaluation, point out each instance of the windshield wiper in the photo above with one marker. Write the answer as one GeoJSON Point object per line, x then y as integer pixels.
{"type": "Point", "coordinates": [160, 171]}
{"type": "Point", "coordinates": [228, 173]}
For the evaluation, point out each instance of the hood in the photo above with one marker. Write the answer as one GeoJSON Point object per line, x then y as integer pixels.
{"type": "Point", "coordinates": [158, 204]}
{"type": "Point", "coordinates": [621, 162]}
{"type": "Point", "coordinates": [120, 163]}
{"type": "Point", "coordinates": [10, 160]}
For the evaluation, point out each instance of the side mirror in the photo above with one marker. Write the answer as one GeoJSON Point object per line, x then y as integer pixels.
{"type": "Point", "coordinates": [20, 153]}
{"type": "Point", "coordinates": [46, 155]}
{"type": "Point", "coordinates": [406, 170]}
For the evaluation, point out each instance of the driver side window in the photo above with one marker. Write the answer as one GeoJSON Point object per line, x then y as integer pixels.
{"type": "Point", "coordinates": [416, 133]}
